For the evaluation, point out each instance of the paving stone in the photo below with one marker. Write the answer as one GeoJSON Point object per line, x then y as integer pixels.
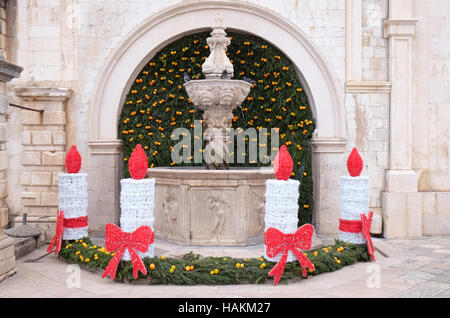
{"type": "Point", "coordinates": [426, 252]}
{"type": "Point", "coordinates": [442, 251]}
{"type": "Point", "coordinates": [426, 290]}
{"type": "Point", "coordinates": [444, 294]}
{"type": "Point", "coordinates": [403, 274]}
{"type": "Point", "coordinates": [414, 277]}
{"type": "Point", "coordinates": [443, 277]}
{"type": "Point", "coordinates": [432, 269]}
{"type": "Point", "coordinates": [414, 263]}
{"type": "Point", "coordinates": [432, 246]}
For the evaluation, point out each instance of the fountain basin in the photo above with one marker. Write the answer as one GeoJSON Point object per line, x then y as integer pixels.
{"type": "Point", "coordinates": [218, 98]}
{"type": "Point", "coordinates": [195, 206]}
{"type": "Point", "coordinates": [220, 94]}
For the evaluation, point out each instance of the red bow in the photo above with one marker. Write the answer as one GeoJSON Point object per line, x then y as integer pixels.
{"type": "Point", "coordinates": [117, 241]}
{"type": "Point", "coordinates": [366, 223]}
{"type": "Point", "coordinates": [360, 226]}
{"type": "Point", "coordinates": [277, 242]}
{"type": "Point", "coordinates": [57, 239]}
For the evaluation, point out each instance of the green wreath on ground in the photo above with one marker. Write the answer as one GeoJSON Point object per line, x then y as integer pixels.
{"type": "Point", "coordinates": [193, 269]}
{"type": "Point", "coordinates": [157, 103]}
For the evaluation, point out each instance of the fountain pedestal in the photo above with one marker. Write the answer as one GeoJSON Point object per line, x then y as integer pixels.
{"type": "Point", "coordinates": [196, 206]}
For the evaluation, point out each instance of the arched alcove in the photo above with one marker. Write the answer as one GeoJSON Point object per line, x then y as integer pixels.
{"type": "Point", "coordinates": [124, 64]}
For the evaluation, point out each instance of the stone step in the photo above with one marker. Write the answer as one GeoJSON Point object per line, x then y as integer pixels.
{"type": "Point", "coordinates": [25, 245]}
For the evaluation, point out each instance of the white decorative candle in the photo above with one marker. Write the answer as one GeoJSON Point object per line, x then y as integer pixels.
{"type": "Point", "coordinates": [354, 202]}
{"type": "Point", "coordinates": [137, 202]}
{"type": "Point", "coordinates": [73, 201]}
{"type": "Point", "coordinates": [282, 201]}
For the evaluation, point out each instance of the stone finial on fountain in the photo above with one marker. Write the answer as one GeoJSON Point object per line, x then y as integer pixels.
{"type": "Point", "coordinates": [217, 63]}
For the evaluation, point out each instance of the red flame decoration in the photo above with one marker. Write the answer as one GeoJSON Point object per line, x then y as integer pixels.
{"type": "Point", "coordinates": [73, 160]}
{"type": "Point", "coordinates": [283, 164]}
{"type": "Point", "coordinates": [138, 163]}
{"type": "Point", "coordinates": [354, 163]}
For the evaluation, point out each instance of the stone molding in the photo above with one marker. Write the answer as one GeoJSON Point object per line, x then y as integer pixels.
{"type": "Point", "coordinates": [43, 93]}
{"type": "Point", "coordinates": [329, 145]}
{"type": "Point", "coordinates": [9, 71]}
{"type": "Point", "coordinates": [105, 147]}
{"type": "Point", "coordinates": [368, 87]}
{"type": "Point", "coordinates": [400, 28]}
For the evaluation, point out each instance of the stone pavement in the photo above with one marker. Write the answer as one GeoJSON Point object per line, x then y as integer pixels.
{"type": "Point", "coordinates": [413, 268]}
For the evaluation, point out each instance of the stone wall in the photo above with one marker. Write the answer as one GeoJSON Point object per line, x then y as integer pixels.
{"type": "Point", "coordinates": [66, 43]}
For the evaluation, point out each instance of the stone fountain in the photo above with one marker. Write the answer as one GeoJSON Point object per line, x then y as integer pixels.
{"type": "Point", "coordinates": [217, 95]}
{"type": "Point", "coordinates": [216, 205]}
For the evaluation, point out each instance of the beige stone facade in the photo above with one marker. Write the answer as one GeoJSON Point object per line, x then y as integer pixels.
{"type": "Point", "coordinates": [376, 73]}
{"type": "Point", "coordinates": [8, 71]}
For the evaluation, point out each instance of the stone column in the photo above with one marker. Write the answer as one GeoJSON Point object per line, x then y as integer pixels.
{"type": "Point", "coordinates": [7, 260]}
{"type": "Point", "coordinates": [402, 215]}
{"type": "Point", "coordinates": [327, 169]}
{"type": "Point", "coordinates": [43, 156]}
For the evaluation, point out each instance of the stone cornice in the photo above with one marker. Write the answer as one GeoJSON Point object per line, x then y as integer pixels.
{"type": "Point", "coordinates": [105, 147]}
{"type": "Point", "coordinates": [328, 145]}
{"type": "Point", "coordinates": [8, 71]}
{"type": "Point", "coordinates": [400, 27]}
{"type": "Point", "coordinates": [43, 93]}
{"type": "Point", "coordinates": [368, 87]}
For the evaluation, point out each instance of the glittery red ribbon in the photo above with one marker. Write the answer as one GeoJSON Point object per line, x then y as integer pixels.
{"type": "Point", "coordinates": [350, 226]}
{"type": "Point", "coordinates": [81, 221]}
{"type": "Point", "coordinates": [278, 242]}
{"type": "Point", "coordinates": [360, 226]}
{"type": "Point", "coordinates": [366, 223]}
{"type": "Point", "coordinates": [117, 241]}
{"type": "Point", "coordinates": [57, 239]}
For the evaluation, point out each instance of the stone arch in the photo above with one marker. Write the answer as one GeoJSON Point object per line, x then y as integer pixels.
{"type": "Point", "coordinates": [144, 41]}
